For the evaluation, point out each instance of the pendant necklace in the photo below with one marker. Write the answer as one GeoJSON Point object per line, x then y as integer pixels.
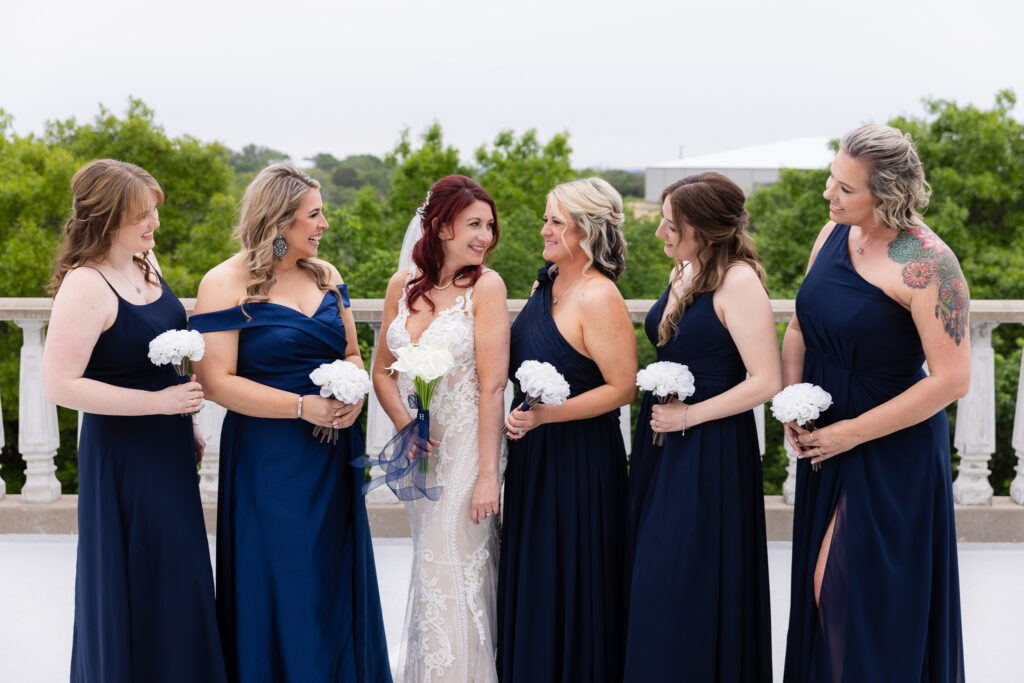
{"type": "Point", "coordinates": [125, 278]}
{"type": "Point", "coordinates": [554, 299]}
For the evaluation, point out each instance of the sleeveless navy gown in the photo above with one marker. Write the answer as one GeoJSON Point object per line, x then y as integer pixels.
{"type": "Point", "coordinates": [890, 597]}
{"type": "Point", "coordinates": [561, 585]}
{"type": "Point", "coordinates": [144, 606]}
{"type": "Point", "coordinates": [297, 591]}
{"type": "Point", "coordinates": [698, 607]}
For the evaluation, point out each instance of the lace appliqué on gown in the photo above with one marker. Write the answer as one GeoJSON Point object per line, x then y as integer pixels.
{"type": "Point", "coordinates": [450, 621]}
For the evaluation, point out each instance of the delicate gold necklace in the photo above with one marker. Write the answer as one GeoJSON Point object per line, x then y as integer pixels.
{"type": "Point", "coordinates": [451, 282]}
{"type": "Point", "coordinates": [125, 277]}
{"type": "Point", "coordinates": [554, 299]}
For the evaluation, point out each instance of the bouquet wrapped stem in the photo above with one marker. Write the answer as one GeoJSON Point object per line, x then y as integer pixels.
{"type": "Point", "coordinates": [341, 380]}
{"type": "Point", "coordinates": [178, 348]}
{"type": "Point", "coordinates": [666, 380]}
{"type": "Point", "coordinates": [801, 403]}
{"type": "Point", "coordinates": [542, 383]}
{"type": "Point", "coordinates": [405, 458]}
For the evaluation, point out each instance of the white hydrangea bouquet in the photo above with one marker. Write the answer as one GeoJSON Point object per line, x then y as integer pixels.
{"type": "Point", "coordinates": [344, 381]}
{"type": "Point", "coordinates": [179, 348]}
{"type": "Point", "coordinates": [541, 383]}
{"type": "Point", "coordinates": [426, 364]}
{"type": "Point", "coordinates": [666, 379]}
{"type": "Point", "coordinates": [801, 403]}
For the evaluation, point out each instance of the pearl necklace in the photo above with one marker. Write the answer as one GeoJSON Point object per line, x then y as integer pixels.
{"type": "Point", "coordinates": [451, 282]}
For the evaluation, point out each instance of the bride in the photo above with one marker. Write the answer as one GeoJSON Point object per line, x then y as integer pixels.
{"type": "Point", "coordinates": [448, 297]}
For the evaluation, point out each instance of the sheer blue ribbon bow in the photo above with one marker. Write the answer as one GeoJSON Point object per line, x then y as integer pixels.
{"type": "Point", "coordinates": [404, 475]}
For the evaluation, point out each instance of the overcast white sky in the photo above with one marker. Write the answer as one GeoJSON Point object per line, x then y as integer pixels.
{"type": "Point", "coordinates": [631, 81]}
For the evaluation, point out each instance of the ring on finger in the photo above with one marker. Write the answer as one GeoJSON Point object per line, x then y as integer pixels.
{"type": "Point", "coordinates": [821, 453]}
{"type": "Point", "coordinates": [520, 431]}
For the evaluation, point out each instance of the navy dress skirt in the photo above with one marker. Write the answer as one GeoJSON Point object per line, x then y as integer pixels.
{"type": "Point", "coordinates": [698, 606]}
{"type": "Point", "coordinates": [890, 597]}
{"type": "Point", "coordinates": [296, 585]}
{"type": "Point", "coordinates": [561, 585]}
{"type": "Point", "coordinates": [144, 606]}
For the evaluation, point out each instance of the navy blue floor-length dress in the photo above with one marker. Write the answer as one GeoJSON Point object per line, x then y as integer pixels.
{"type": "Point", "coordinates": [297, 591]}
{"type": "Point", "coordinates": [890, 597]}
{"type": "Point", "coordinates": [699, 608]}
{"type": "Point", "coordinates": [561, 585]}
{"type": "Point", "coordinates": [144, 606]}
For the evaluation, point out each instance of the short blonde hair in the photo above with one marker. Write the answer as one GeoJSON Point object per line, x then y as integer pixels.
{"type": "Point", "coordinates": [596, 208]}
{"type": "Point", "coordinates": [895, 175]}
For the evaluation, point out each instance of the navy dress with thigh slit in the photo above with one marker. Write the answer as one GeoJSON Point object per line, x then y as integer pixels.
{"type": "Point", "coordinates": [890, 596]}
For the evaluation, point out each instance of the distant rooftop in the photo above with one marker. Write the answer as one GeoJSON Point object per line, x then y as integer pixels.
{"type": "Point", "coordinates": [801, 153]}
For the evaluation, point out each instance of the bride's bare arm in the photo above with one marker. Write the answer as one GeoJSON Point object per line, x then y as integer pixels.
{"type": "Point", "coordinates": [385, 384]}
{"type": "Point", "coordinates": [491, 341]}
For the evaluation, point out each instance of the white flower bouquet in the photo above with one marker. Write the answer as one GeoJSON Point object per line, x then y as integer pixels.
{"type": "Point", "coordinates": [179, 348]}
{"type": "Point", "coordinates": [343, 381]}
{"type": "Point", "coordinates": [426, 364]}
{"type": "Point", "coordinates": [542, 383]}
{"type": "Point", "coordinates": [666, 379]}
{"type": "Point", "coordinates": [801, 403]}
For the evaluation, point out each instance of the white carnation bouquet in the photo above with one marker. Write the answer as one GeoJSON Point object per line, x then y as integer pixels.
{"type": "Point", "coordinates": [179, 348]}
{"type": "Point", "coordinates": [666, 379]}
{"type": "Point", "coordinates": [541, 383]}
{"type": "Point", "coordinates": [426, 364]}
{"type": "Point", "coordinates": [344, 381]}
{"type": "Point", "coordinates": [801, 403]}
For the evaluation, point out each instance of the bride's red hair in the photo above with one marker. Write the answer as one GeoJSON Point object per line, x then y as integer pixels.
{"type": "Point", "coordinates": [449, 196]}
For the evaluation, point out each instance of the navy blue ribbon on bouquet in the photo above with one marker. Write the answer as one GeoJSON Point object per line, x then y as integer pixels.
{"type": "Point", "coordinates": [403, 474]}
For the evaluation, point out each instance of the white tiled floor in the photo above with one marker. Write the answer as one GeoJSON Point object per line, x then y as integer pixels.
{"type": "Point", "coordinates": [37, 579]}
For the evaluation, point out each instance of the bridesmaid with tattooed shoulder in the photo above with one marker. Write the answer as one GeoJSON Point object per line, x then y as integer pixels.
{"type": "Point", "coordinates": [875, 591]}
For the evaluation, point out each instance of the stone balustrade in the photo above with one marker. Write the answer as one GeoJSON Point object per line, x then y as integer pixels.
{"type": "Point", "coordinates": [974, 438]}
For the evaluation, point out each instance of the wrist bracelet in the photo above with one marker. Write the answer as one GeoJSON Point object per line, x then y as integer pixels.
{"type": "Point", "coordinates": [686, 411]}
{"type": "Point", "coordinates": [298, 413]}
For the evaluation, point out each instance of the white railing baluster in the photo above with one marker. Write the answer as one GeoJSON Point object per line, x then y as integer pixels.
{"type": "Point", "coordinates": [975, 436]}
{"type": "Point", "coordinates": [211, 418]}
{"type": "Point", "coordinates": [1017, 487]}
{"type": "Point", "coordinates": [38, 435]}
{"type": "Point", "coordinates": [3, 486]}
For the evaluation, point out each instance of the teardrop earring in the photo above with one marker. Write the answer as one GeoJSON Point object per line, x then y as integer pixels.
{"type": "Point", "coordinates": [280, 248]}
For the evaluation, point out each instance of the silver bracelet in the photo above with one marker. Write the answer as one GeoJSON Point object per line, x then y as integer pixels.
{"type": "Point", "coordinates": [686, 411]}
{"type": "Point", "coordinates": [298, 413]}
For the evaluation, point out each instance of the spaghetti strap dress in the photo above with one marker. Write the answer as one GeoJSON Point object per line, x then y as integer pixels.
{"type": "Point", "coordinates": [699, 607]}
{"type": "Point", "coordinates": [890, 596]}
{"type": "Point", "coordinates": [297, 594]}
{"type": "Point", "coordinates": [561, 585]}
{"type": "Point", "coordinates": [144, 607]}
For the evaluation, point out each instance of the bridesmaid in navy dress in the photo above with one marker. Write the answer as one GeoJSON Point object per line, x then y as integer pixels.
{"type": "Point", "coordinates": [296, 585]}
{"type": "Point", "coordinates": [699, 590]}
{"type": "Point", "coordinates": [144, 606]}
{"type": "Point", "coordinates": [561, 590]}
{"type": "Point", "coordinates": [875, 588]}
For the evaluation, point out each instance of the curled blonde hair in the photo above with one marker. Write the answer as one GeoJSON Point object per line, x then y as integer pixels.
{"type": "Point", "coordinates": [713, 207]}
{"type": "Point", "coordinates": [596, 208]}
{"type": "Point", "coordinates": [268, 208]}
{"type": "Point", "coordinates": [107, 193]}
{"type": "Point", "coordinates": [895, 175]}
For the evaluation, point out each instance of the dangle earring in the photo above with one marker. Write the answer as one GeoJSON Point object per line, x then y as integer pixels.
{"type": "Point", "coordinates": [280, 248]}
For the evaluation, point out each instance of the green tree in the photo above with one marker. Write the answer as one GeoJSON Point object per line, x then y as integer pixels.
{"type": "Point", "coordinates": [518, 172]}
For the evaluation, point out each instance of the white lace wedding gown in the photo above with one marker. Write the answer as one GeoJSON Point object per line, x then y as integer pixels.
{"type": "Point", "coordinates": [450, 622]}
